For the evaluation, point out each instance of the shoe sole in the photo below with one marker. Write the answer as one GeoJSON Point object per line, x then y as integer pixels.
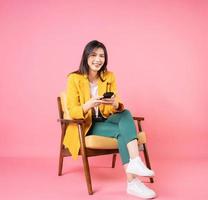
{"type": "Point", "coordinates": [150, 176]}
{"type": "Point", "coordinates": [141, 196]}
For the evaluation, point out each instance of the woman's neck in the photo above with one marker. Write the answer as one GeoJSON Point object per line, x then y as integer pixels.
{"type": "Point", "coordinates": [93, 76]}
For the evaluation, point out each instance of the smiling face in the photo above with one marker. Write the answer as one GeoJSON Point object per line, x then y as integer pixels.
{"type": "Point", "coordinates": [96, 59]}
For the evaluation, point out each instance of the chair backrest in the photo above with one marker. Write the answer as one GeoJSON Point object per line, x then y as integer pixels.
{"type": "Point", "coordinates": [62, 105]}
{"type": "Point", "coordinates": [61, 112]}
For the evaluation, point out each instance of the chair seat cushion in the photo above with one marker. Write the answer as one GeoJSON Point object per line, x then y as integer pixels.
{"type": "Point", "coordinates": [102, 142]}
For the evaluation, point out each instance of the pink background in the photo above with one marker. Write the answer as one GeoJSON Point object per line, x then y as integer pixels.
{"type": "Point", "coordinates": [157, 49]}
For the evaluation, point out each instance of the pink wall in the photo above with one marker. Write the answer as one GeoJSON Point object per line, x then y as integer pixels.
{"type": "Point", "coordinates": [157, 50]}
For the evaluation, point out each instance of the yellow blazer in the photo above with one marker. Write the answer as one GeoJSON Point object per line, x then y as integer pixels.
{"type": "Point", "coordinates": [77, 93]}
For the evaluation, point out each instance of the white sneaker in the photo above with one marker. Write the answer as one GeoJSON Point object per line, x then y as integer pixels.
{"type": "Point", "coordinates": [137, 188]}
{"type": "Point", "coordinates": [137, 167]}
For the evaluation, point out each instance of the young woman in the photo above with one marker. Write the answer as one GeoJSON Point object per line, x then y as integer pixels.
{"type": "Point", "coordinates": [104, 116]}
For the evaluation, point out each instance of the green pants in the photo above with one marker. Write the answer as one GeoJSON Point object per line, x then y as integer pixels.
{"type": "Point", "coordinates": [120, 126]}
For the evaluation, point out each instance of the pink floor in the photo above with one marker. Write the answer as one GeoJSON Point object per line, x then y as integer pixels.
{"type": "Point", "coordinates": [36, 179]}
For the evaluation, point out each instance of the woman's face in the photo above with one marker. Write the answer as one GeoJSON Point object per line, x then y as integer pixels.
{"type": "Point", "coordinates": [96, 59]}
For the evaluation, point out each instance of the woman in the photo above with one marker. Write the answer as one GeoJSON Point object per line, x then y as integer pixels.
{"type": "Point", "coordinates": [104, 116]}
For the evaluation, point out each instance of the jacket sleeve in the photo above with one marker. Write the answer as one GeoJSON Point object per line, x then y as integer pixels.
{"type": "Point", "coordinates": [113, 88]}
{"type": "Point", "coordinates": [73, 100]}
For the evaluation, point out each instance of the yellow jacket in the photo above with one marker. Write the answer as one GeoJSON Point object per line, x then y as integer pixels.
{"type": "Point", "coordinates": [78, 92]}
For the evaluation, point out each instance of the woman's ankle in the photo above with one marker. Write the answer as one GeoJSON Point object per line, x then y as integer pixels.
{"type": "Point", "coordinates": [130, 177]}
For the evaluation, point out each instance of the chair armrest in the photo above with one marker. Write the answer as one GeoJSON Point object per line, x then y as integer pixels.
{"type": "Point", "coordinates": [69, 121]}
{"type": "Point", "coordinates": [138, 118]}
{"type": "Point", "coordinates": [64, 124]}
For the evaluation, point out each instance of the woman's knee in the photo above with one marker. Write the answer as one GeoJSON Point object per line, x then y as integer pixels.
{"type": "Point", "coordinates": [126, 113]}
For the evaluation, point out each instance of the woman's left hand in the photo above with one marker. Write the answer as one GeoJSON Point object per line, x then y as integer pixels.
{"type": "Point", "coordinates": [111, 101]}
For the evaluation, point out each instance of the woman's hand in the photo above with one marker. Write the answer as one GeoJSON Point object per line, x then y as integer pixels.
{"type": "Point", "coordinates": [96, 101]}
{"type": "Point", "coordinates": [91, 103]}
{"type": "Point", "coordinates": [111, 101]}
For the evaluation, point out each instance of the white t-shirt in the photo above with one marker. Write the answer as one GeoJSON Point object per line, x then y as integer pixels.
{"type": "Point", "coordinates": [94, 93]}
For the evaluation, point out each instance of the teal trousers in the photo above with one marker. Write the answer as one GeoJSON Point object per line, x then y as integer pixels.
{"type": "Point", "coordinates": [120, 126]}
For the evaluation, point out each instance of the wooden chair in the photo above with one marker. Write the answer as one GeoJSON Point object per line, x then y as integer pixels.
{"type": "Point", "coordinates": [95, 145]}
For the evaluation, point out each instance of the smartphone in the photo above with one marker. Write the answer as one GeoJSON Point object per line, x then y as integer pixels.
{"type": "Point", "coordinates": [107, 95]}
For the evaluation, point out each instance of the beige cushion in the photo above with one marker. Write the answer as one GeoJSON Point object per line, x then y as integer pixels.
{"type": "Point", "coordinates": [101, 142]}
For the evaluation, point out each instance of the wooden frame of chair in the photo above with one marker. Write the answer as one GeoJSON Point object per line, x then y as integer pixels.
{"type": "Point", "coordinates": [86, 152]}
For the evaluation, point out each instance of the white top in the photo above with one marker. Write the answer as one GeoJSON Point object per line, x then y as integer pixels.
{"type": "Point", "coordinates": [94, 93]}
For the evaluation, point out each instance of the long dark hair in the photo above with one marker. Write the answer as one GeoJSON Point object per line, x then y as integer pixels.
{"type": "Point", "coordinates": [84, 67]}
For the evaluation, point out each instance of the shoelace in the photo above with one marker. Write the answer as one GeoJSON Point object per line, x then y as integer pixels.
{"type": "Point", "coordinates": [142, 164]}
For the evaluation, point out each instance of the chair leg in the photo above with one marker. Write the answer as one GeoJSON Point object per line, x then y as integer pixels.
{"type": "Point", "coordinates": [87, 174]}
{"type": "Point", "coordinates": [114, 161]}
{"type": "Point", "coordinates": [61, 159]}
{"type": "Point", "coordinates": [146, 156]}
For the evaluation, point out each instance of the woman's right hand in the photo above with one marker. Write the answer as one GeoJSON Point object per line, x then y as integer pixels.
{"type": "Point", "coordinates": [91, 103]}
